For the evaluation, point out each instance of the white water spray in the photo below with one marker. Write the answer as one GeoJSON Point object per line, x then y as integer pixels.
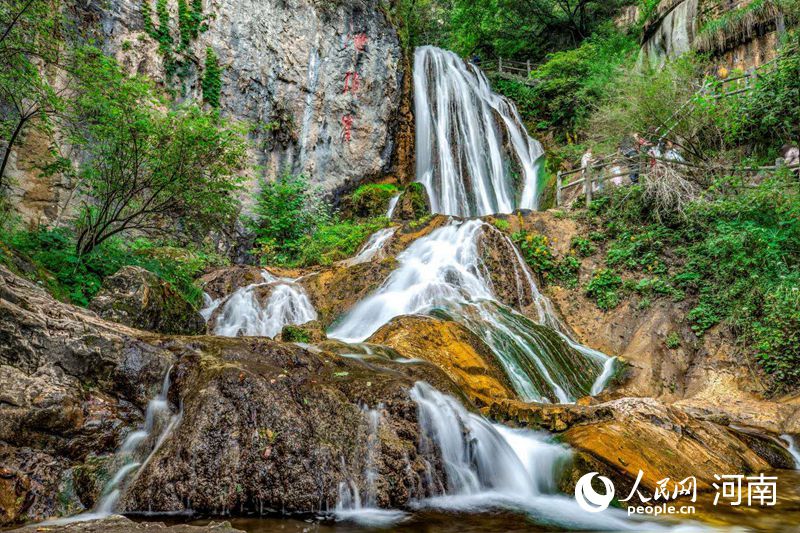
{"type": "Point", "coordinates": [136, 451]}
{"type": "Point", "coordinates": [444, 273]}
{"type": "Point", "coordinates": [373, 248]}
{"type": "Point", "coordinates": [469, 140]}
{"type": "Point", "coordinates": [243, 313]}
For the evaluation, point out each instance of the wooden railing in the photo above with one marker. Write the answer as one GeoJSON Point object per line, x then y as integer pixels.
{"type": "Point", "coordinates": [639, 167]}
{"type": "Point", "coordinates": [518, 69]}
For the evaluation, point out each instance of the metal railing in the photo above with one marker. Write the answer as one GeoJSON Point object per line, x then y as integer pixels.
{"type": "Point", "coordinates": [639, 166]}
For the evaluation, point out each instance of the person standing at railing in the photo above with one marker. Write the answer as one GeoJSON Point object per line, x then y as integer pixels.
{"type": "Point", "coordinates": [631, 147]}
{"type": "Point", "coordinates": [791, 157]}
{"type": "Point", "coordinates": [587, 160]}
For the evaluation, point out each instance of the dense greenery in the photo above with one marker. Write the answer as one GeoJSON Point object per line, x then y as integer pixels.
{"type": "Point", "coordinates": [77, 279]}
{"type": "Point", "coordinates": [148, 169]}
{"type": "Point", "coordinates": [294, 226]}
{"type": "Point", "coordinates": [211, 81]}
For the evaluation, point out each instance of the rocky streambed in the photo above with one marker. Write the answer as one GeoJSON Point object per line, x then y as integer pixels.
{"type": "Point", "coordinates": [322, 428]}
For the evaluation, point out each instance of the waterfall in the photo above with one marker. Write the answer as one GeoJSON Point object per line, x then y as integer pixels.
{"type": "Point", "coordinates": [489, 466]}
{"type": "Point", "coordinates": [443, 274]}
{"type": "Point", "coordinates": [470, 142]}
{"type": "Point", "coordinates": [392, 206]}
{"type": "Point", "coordinates": [350, 505]}
{"type": "Point", "coordinates": [135, 452]}
{"type": "Point", "coordinates": [373, 247]}
{"type": "Point", "coordinates": [243, 313]}
{"type": "Point", "coordinates": [793, 449]}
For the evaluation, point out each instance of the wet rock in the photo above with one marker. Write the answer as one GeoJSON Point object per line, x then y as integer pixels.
{"type": "Point", "coordinates": [34, 485]}
{"type": "Point", "coordinates": [274, 427]}
{"type": "Point", "coordinates": [413, 204]}
{"type": "Point", "coordinates": [120, 524]}
{"type": "Point", "coordinates": [463, 356]}
{"type": "Point", "coordinates": [769, 448]}
{"type": "Point", "coordinates": [663, 442]}
{"type": "Point", "coordinates": [510, 282]}
{"type": "Point", "coordinates": [140, 299]}
{"type": "Point", "coordinates": [309, 333]}
{"type": "Point", "coordinates": [225, 281]}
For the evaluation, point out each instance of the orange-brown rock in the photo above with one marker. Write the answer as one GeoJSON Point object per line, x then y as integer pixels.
{"type": "Point", "coordinates": [463, 356]}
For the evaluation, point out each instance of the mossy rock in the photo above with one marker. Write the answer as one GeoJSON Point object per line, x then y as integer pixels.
{"type": "Point", "coordinates": [372, 200]}
{"type": "Point", "coordinates": [140, 299]}
{"type": "Point", "coordinates": [308, 333]}
{"type": "Point", "coordinates": [413, 204]}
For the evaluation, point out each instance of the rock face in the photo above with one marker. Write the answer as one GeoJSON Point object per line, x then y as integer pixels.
{"type": "Point", "coordinates": [278, 428]}
{"type": "Point", "coordinates": [72, 385]}
{"type": "Point", "coordinates": [450, 346]}
{"type": "Point", "coordinates": [680, 26]}
{"type": "Point", "coordinates": [321, 81]}
{"type": "Point", "coordinates": [140, 299]}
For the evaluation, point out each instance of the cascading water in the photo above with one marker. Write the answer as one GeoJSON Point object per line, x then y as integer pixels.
{"type": "Point", "coordinates": [243, 314]}
{"type": "Point", "coordinates": [373, 247]}
{"type": "Point", "coordinates": [443, 273]}
{"type": "Point", "coordinates": [470, 142]}
{"type": "Point", "coordinates": [136, 450]}
{"type": "Point", "coordinates": [392, 206]}
{"type": "Point", "coordinates": [490, 466]}
{"type": "Point", "coordinates": [793, 449]}
{"type": "Point", "coordinates": [351, 505]}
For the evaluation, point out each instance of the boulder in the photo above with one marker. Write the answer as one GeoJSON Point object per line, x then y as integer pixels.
{"type": "Point", "coordinates": [463, 356]}
{"type": "Point", "coordinates": [413, 203]}
{"type": "Point", "coordinates": [224, 281]}
{"type": "Point", "coordinates": [273, 427]}
{"type": "Point", "coordinates": [140, 299]}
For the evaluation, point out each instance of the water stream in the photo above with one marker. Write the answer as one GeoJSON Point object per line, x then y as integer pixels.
{"type": "Point", "coordinates": [243, 313]}
{"type": "Point", "coordinates": [135, 452]}
{"type": "Point", "coordinates": [443, 274]}
{"type": "Point", "coordinates": [473, 154]}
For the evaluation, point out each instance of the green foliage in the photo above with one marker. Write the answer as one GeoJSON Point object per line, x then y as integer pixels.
{"type": "Point", "coordinates": [295, 334]}
{"type": "Point", "coordinates": [501, 224]}
{"type": "Point", "coordinates": [673, 340]}
{"type": "Point", "coordinates": [77, 279]}
{"type": "Point", "coordinates": [335, 241]}
{"type": "Point", "coordinates": [294, 226]}
{"type": "Point", "coordinates": [371, 199]}
{"type": "Point", "coordinates": [570, 83]}
{"type": "Point", "coordinates": [147, 167]}
{"type": "Point", "coordinates": [212, 79]}
{"type": "Point", "coordinates": [536, 251]}
{"type": "Point", "coordinates": [604, 289]}
{"type": "Point", "coordinates": [769, 115]}
{"type": "Point", "coordinates": [583, 246]}
{"type": "Point", "coordinates": [31, 35]}
{"type": "Point", "coordinates": [525, 30]}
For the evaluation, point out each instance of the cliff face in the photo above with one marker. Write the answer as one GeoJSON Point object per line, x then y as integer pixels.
{"type": "Point", "coordinates": [739, 34]}
{"type": "Point", "coordinates": [319, 83]}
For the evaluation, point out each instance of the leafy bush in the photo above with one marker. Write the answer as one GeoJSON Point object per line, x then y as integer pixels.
{"type": "Point", "coordinates": [77, 279]}
{"type": "Point", "coordinates": [294, 226]}
{"type": "Point", "coordinates": [335, 241]}
{"type": "Point", "coordinates": [583, 246]}
{"type": "Point", "coordinates": [603, 288]}
{"type": "Point", "coordinates": [536, 251]}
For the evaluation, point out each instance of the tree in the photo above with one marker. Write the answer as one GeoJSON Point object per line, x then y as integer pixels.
{"type": "Point", "coordinates": [148, 168]}
{"type": "Point", "coordinates": [30, 55]}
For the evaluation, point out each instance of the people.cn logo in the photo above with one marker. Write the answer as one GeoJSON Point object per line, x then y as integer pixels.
{"type": "Point", "coordinates": [588, 499]}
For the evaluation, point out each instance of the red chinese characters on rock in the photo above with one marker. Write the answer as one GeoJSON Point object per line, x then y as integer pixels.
{"type": "Point", "coordinates": [347, 127]}
{"type": "Point", "coordinates": [360, 41]}
{"type": "Point", "coordinates": [351, 82]}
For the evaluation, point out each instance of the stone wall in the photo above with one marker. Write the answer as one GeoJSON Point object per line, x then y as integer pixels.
{"type": "Point", "coordinates": [319, 82]}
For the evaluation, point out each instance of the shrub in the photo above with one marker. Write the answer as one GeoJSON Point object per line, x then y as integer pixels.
{"type": "Point", "coordinates": [583, 246]}
{"type": "Point", "coordinates": [77, 279]}
{"type": "Point", "coordinates": [603, 288]}
{"type": "Point", "coordinates": [335, 241]}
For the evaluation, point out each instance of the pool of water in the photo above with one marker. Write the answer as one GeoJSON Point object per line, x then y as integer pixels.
{"type": "Point", "coordinates": [784, 516]}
